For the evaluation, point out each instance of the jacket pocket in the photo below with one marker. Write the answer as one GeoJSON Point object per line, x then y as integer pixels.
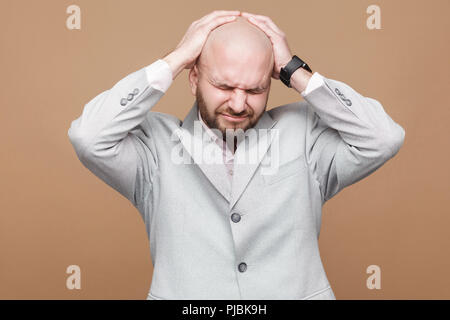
{"type": "Point", "coordinates": [323, 294]}
{"type": "Point", "coordinates": [286, 170]}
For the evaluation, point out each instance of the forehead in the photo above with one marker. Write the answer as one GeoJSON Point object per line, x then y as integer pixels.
{"type": "Point", "coordinates": [234, 67]}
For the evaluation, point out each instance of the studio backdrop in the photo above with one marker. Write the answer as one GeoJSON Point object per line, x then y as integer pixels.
{"type": "Point", "coordinates": [57, 219]}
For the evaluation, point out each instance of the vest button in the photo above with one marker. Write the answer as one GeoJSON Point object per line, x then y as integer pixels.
{"type": "Point", "coordinates": [235, 217]}
{"type": "Point", "coordinates": [242, 267]}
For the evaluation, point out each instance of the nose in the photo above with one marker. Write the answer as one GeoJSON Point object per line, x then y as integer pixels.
{"type": "Point", "coordinates": [238, 101]}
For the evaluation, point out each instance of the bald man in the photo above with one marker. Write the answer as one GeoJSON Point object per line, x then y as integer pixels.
{"type": "Point", "coordinates": [232, 196]}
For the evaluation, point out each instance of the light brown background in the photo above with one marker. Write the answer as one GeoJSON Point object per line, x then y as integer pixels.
{"type": "Point", "coordinates": [55, 213]}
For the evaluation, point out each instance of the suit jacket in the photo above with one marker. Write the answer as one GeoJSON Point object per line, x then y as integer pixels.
{"type": "Point", "coordinates": [255, 237]}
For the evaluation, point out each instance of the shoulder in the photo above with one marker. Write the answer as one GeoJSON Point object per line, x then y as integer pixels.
{"type": "Point", "coordinates": [293, 113]}
{"type": "Point", "coordinates": [162, 122]}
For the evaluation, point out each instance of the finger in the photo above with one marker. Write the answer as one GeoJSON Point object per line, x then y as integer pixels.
{"type": "Point", "coordinates": [219, 13]}
{"type": "Point", "coordinates": [219, 21]}
{"type": "Point", "coordinates": [211, 16]}
{"type": "Point", "coordinates": [267, 30]}
{"type": "Point", "coordinates": [213, 19]}
{"type": "Point", "coordinates": [267, 20]}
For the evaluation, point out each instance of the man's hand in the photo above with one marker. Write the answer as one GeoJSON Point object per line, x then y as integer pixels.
{"type": "Point", "coordinates": [281, 51]}
{"type": "Point", "coordinates": [190, 47]}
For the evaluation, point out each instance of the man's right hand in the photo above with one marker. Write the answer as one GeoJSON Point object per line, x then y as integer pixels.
{"type": "Point", "coordinates": [190, 47]}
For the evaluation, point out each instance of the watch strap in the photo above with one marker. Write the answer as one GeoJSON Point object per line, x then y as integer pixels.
{"type": "Point", "coordinates": [287, 71]}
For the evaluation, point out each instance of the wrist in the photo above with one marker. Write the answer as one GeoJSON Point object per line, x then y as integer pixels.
{"type": "Point", "coordinates": [300, 79]}
{"type": "Point", "coordinates": [175, 62]}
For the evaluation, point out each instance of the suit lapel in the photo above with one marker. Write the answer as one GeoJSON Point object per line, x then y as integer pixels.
{"type": "Point", "coordinates": [249, 154]}
{"type": "Point", "coordinates": [204, 152]}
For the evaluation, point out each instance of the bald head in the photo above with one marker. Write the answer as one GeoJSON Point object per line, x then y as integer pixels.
{"type": "Point", "coordinates": [238, 40]}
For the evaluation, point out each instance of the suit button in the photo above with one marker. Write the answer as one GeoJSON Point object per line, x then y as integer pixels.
{"type": "Point", "coordinates": [130, 97]}
{"type": "Point", "coordinates": [242, 267]}
{"type": "Point", "coordinates": [123, 101]}
{"type": "Point", "coordinates": [236, 217]}
{"type": "Point", "coordinates": [135, 91]}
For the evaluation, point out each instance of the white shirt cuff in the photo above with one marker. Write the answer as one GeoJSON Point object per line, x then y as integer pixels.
{"type": "Point", "coordinates": [314, 82]}
{"type": "Point", "coordinates": [159, 75]}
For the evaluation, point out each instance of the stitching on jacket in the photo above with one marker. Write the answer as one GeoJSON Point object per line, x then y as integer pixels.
{"type": "Point", "coordinates": [368, 125]}
{"type": "Point", "coordinates": [337, 97]}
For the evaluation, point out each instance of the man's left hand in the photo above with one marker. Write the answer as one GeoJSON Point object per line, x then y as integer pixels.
{"type": "Point", "coordinates": [281, 51]}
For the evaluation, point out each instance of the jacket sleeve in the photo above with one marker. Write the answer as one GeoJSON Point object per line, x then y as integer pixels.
{"type": "Point", "coordinates": [349, 136]}
{"type": "Point", "coordinates": [106, 135]}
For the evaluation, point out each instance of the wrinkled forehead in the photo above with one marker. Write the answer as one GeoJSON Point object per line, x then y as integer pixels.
{"type": "Point", "coordinates": [238, 54]}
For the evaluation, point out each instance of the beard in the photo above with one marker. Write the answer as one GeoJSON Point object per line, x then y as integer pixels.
{"type": "Point", "coordinates": [216, 121]}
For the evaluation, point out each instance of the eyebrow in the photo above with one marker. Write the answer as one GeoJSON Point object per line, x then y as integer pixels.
{"type": "Point", "coordinates": [224, 85]}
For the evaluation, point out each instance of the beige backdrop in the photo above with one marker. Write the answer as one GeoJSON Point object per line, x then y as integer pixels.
{"type": "Point", "coordinates": [55, 213]}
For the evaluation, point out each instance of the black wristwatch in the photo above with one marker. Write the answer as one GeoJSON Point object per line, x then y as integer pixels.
{"type": "Point", "coordinates": [287, 71]}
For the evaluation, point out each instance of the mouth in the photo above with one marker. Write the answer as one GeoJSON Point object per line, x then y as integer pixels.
{"type": "Point", "coordinates": [233, 118]}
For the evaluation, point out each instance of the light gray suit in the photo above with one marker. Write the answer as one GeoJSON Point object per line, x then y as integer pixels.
{"type": "Point", "coordinates": [257, 236]}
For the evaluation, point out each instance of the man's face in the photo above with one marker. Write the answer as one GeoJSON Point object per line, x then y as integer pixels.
{"type": "Point", "coordinates": [232, 84]}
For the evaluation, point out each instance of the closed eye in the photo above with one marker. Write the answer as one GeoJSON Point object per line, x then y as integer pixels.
{"type": "Point", "coordinates": [248, 91]}
{"type": "Point", "coordinates": [255, 91]}
{"type": "Point", "coordinates": [225, 88]}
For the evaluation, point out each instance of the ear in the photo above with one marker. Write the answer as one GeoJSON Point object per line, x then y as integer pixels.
{"type": "Point", "coordinates": [193, 79]}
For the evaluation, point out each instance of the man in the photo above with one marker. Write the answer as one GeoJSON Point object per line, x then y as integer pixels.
{"type": "Point", "coordinates": [227, 229]}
